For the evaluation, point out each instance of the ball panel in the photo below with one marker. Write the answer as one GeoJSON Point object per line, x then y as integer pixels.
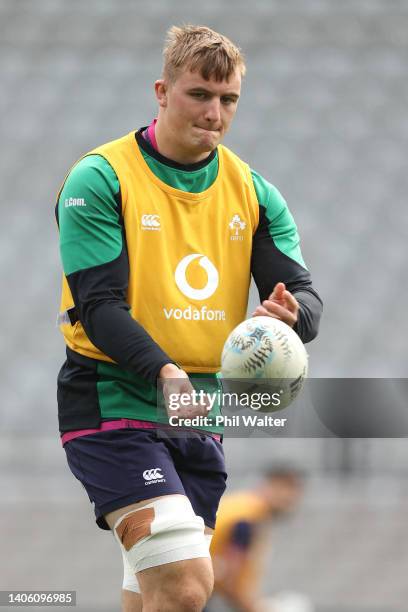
{"type": "Point", "coordinates": [269, 351]}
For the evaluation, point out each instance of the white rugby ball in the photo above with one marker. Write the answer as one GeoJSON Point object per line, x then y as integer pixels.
{"type": "Point", "coordinates": [271, 354]}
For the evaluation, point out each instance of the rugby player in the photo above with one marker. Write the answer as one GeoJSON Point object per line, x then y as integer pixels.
{"type": "Point", "coordinates": [160, 231]}
{"type": "Point", "coordinates": [241, 539]}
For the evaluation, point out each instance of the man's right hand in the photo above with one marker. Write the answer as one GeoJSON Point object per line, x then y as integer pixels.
{"type": "Point", "coordinates": [176, 383]}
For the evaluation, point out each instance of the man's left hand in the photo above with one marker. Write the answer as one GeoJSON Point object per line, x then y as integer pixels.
{"type": "Point", "coordinates": [281, 304]}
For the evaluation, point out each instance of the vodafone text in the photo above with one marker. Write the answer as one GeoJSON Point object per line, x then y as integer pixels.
{"type": "Point", "coordinates": [194, 314]}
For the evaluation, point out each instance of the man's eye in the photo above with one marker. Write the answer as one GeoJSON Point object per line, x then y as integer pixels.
{"type": "Point", "coordinates": [198, 94]}
{"type": "Point", "coordinates": [228, 100]}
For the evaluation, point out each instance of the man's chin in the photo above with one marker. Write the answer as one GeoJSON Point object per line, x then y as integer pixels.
{"type": "Point", "coordinates": [207, 138]}
{"type": "Point", "coordinates": [200, 148]}
{"type": "Point", "coordinates": [208, 144]}
{"type": "Point", "coordinates": [208, 149]}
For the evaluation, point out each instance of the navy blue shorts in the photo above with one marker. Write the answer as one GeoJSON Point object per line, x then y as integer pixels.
{"type": "Point", "coordinates": [124, 466]}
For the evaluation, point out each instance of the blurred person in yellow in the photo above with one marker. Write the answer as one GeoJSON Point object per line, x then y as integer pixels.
{"type": "Point", "coordinates": [242, 536]}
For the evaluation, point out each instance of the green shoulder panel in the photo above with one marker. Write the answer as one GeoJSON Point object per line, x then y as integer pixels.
{"type": "Point", "coordinates": [89, 215]}
{"type": "Point", "coordinates": [281, 225]}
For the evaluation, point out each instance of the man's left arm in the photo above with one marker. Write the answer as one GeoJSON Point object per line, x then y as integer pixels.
{"type": "Point", "coordinates": [280, 274]}
{"type": "Point", "coordinates": [234, 571]}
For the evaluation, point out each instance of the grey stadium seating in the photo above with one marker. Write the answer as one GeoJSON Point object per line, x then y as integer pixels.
{"type": "Point", "coordinates": [323, 117]}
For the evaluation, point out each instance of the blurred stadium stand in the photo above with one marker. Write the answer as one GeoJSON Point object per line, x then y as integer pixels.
{"type": "Point", "coordinates": [322, 116]}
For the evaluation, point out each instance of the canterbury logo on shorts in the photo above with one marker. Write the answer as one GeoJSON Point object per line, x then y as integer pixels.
{"type": "Point", "coordinates": [153, 474]}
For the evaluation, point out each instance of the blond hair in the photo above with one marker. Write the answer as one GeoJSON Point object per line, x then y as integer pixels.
{"type": "Point", "coordinates": [202, 50]}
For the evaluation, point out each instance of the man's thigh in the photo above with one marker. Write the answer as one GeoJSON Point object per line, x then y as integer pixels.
{"type": "Point", "coordinates": [120, 468]}
{"type": "Point", "coordinates": [200, 464]}
{"type": "Point", "coordinates": [131, 602]}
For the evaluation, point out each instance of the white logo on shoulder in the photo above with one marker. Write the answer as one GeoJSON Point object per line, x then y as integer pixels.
{"type": "Point", "coordinates": [185, 287]}
{"type": "Point", "coordinates": [151, 222]}
{"type": "Point", "coordinates": [237, 225]}
{"type": "Point", "coordinates": [74, 202]}
{"type": "Point", "coordinates": [153, 476]}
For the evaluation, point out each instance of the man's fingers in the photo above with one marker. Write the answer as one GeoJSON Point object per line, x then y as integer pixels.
{"type": "Point", "coordinates": [279, 312]}
{"type": "Point", "coordinates": [292, 301]}
{"type": "Point", "coordinates": [263, 312]}
{"type": "Point", "coordinates": [260, 311]}
{"type": "Point", "coordinates": [178, 385]}
{"type": "Point", "coordinates": [188, 412]}
{"type": "Point", "coordinates": [277, 293]}
{"type": "Point", "coordinates": [181, 399]}
{"type": "Point", "coordinates": [274, 307]}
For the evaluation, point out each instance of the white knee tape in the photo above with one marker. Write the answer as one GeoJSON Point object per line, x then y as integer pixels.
{"type": "Point", "coordinates": [163, 531]}
{"type": "Point", "coordinates": [130, 582]}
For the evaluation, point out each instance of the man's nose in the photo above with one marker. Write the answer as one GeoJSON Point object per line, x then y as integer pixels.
{"type": "Point", "coordinates": [213, 110]}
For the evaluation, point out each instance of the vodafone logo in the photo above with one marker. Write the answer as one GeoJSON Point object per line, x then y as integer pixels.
{"type": "Point", "coordinates": [188, 290]}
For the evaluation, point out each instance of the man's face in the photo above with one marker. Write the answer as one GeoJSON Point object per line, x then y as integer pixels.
{"type": "Point", "coordinates": [197, 113]}
{"type": "Point", "coordinates": [283, 494]}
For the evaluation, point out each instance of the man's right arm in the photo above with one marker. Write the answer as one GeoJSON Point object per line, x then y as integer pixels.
{"type": "Point", "coordinates": [95, 262]}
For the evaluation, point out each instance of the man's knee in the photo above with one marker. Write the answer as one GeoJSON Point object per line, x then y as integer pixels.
{"type": "Point", "coordinates": [190, 597]}
{"type": "Point", "coordinates": [162, 532]}
{"type": "Point", "coordinates": [184, 586]}
{"type": "Point", "coordinates": [163, 543]}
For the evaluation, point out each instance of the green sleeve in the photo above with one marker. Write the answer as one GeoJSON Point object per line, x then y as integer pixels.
{"type": "Point", "coordinates": [89, 215]}
{"type": "Point", "coordinates": [281, 225]}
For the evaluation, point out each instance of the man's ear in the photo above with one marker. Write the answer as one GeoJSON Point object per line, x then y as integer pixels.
{"type": "Point", "coordinates": [160, 89]}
